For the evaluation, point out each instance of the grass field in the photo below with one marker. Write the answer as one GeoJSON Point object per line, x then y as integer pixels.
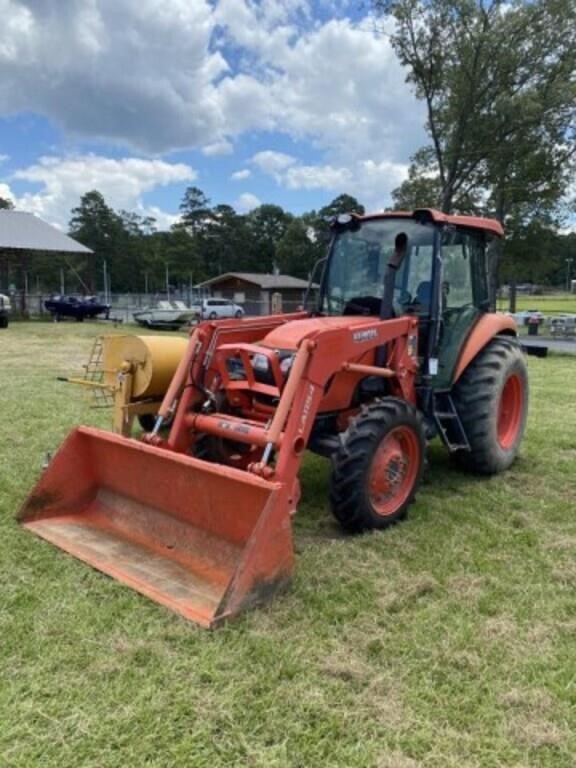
{"type": "Point", "coordinates": [446, 642]}
{"type": "Point", "coordinates": [553, 304]}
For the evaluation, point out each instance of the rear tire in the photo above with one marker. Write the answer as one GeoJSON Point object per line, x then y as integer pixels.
{"type": "Point", "coordinates": [378, 467]}
{"type": "Point", "coordinates": [491, 398]}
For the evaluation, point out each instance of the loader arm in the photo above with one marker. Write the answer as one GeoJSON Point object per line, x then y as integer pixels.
{"type": "Point", "coordinates": [320, 356]}
{"type": "Point", "coordinates": [204, 539]}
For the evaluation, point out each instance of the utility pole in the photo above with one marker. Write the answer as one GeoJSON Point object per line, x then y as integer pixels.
{"type": "Point", "coordinates": [569, 261]}
{"type": "Point", "coordinates": [105, 270]}
{"type": "Point", "coordinates": [167, 282]}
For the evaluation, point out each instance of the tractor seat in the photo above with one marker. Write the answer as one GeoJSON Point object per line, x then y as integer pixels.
{"type": "Point", "coordinates": [424, 296]}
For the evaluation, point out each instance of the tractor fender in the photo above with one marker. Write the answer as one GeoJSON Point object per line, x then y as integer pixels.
{"type": "Point", "coordinates": [487, 327]}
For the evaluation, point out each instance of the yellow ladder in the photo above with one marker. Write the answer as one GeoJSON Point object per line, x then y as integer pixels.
{"type": "Point", "coordinates": [103, 395]}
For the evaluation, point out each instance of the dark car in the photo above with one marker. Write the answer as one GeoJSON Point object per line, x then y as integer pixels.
{"type": "Point", "coordinates": [79, 309]}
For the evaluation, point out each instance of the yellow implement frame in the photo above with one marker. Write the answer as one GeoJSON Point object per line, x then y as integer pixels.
{"type": "Point", "coordinates": [131, 374]}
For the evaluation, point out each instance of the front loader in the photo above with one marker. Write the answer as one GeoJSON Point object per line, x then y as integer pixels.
{"type": "Point", "coordinates": [401, 347]}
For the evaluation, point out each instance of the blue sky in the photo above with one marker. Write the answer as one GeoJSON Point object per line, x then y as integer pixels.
{"type": "Point", "coordinates": [277, 101]}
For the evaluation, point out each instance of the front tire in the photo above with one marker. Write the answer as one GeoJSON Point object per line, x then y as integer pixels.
{"type": "Point", "coordinates": [378, 467]}
{"type": "Point", "coordinates": [491, 398]}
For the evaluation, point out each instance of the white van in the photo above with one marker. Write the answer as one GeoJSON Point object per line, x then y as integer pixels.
{"type": "Point", "coordinates": [212, 309]}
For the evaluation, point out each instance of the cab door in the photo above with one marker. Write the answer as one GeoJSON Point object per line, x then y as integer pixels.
{"type": "Point", "coordinates": [464, 296]}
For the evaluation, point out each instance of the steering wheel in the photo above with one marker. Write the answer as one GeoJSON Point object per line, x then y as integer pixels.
{"type": "Point", "coordinates": [405, 297]}
{"type": "Point", "coordinates": [363, 305]}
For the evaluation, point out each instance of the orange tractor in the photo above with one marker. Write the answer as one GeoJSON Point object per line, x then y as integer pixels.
{"type": "Point", "coordinates": [400, 347]}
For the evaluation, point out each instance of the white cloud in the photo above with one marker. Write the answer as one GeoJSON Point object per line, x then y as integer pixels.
{"type": "Point", "coordinates": [370, 182]}
{"type": "Point", "coordinates": [317, 177]}
{"type": "Point", "coordinates": [123, 183]}
{"type": "Point", "coordinates": [6, 192]}
{"type": "Point", "coordinates": [175, 74]}
{"type": "Point", "coordinates": [218, 148]}
{"type": "Point", "coordinates": [273, 162]}
{"type": "Point", "coordinates": [247, 202]}
{"type": "Point", "coordinates": [163, 219]}
{"type": "Point", "coordinates": [260, 28]}
{"type": "Point", "coordinates": [4, 158]}
{"type": "Point", "coordinates": [139, 72]}
{"type": "Point", "coordinates": [242, 175]}
{"type": "Point", "coordinates": [339, 84]}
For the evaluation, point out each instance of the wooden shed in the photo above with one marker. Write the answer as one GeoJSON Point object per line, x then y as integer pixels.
{"type": "Point", "coordinates": [254, 291]}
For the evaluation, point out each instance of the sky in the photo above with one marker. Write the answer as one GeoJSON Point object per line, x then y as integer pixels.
{"type": "Point", "coordinates": [253, 101]}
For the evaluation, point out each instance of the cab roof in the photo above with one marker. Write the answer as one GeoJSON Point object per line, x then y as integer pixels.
{"type": "Point", "coordinates": [431, 214]}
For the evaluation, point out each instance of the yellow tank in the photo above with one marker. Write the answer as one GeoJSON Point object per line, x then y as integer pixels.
{"type": "Point", "coordinates": [152, 359]}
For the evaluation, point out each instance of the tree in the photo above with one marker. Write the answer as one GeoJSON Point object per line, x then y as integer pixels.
{"type": "Point", "coordinates": [137, 225]}
{"type": "Point", "coordinates": [96, 225]}
{"type": "Point", "coordinates": [420, 190]}
{"type": "Point", "coordinates": [6, 204]}
{"type": "Point", "coordinates": [295, 252]}
{"type": "Point", "coordinates": [342, 204]}
{"type": "Point", "coordinates": [498, 83]}
{"type": "Point", "coordinates": [267, 225]}
{"type": "Point", "coordinates": [224, 241]}
{"type": "Point", "coordinates": [318, 222]}
{"type": "Point", "coordinates": [195, 210]}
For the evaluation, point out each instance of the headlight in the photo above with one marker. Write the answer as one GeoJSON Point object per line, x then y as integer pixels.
{"type": "Point", "coordinates": [260, 363]}
{"type": "Point", "coordinates": [262, 370]}
{"type": "Point", "coordinates": [286, 364]}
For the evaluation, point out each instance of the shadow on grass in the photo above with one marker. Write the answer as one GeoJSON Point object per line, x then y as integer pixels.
{"type": "Point", "coordinates": [443, 480]}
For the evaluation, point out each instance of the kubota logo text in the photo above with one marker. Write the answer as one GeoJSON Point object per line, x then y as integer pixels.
{"type": "Point", "coordinates": [360, 336]}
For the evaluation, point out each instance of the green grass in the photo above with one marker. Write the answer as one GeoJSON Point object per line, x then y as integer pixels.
{"type": "Point", "coordinates": [553, 304]}
{"type": "Point", "coordinates": [445, 642]}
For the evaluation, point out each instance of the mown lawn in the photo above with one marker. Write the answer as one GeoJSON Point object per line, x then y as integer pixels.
{"type": "Point", "coordinates": [449, 641]}
{"type": "Point", "coordinates": [553, 304]}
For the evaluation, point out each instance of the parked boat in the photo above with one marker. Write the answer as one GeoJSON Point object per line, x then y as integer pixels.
{"type": "Point", "coordinates": [166, 314]}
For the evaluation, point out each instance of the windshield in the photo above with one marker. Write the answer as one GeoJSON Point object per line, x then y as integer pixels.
{"type": "Point", "coordinates": [358, 264]}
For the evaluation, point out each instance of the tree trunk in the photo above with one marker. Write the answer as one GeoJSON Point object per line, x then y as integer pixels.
{"type": "Point", "coordinates": [512, 305]}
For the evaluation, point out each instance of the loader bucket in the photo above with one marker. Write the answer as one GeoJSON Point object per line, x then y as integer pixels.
{"type": "Point", "coordinates": [203, 539]}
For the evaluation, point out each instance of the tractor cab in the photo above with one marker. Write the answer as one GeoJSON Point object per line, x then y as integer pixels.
{"type": "Point", "coordinates": [435, 267]}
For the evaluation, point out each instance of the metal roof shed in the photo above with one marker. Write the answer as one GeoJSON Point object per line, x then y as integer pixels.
{"type": "Point", "coordinates": [20, 231]}
{"type": "Point", "coordinates": [24, 233]}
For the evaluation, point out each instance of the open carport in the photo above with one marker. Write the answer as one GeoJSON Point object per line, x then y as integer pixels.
{"type": "Point", "coordinates": [22, 236]}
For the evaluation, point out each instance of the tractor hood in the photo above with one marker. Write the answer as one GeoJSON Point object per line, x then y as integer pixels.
{"type": "Point", "coordinates": [289, 335]}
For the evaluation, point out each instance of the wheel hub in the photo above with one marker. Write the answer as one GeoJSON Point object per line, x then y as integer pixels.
{"type": "Point", "coordinates": [392, 472]}
{"type": "Point", "coordinates": [510, 412]}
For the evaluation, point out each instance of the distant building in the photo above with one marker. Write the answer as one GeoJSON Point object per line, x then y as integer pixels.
{"type": "Point", "coordinates": [255, 291]}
